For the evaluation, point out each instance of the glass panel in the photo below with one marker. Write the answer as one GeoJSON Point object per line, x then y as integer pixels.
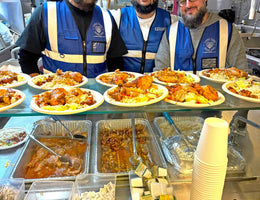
{"type": "Point", "coordinates": [231, 103]}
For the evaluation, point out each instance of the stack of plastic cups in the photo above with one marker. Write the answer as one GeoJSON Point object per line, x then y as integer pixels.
{"type": "Point", "coordinates": [210, 161]}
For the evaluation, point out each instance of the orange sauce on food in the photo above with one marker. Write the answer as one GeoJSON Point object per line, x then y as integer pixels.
{"type": "Point", "coordinates": [45, 164]}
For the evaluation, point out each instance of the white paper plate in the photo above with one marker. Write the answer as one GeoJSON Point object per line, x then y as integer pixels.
{"type": "Point", "coordinates": [114, 102]}
{"type": "Point", "coordinates": [113, 85]}
{"type": "Point", "coordinates": [31, 83]}
{"type": "Point", "coordinates": [196, 79]}
{"type": "Point", "coordinates": [212, 79]}
{"type": "Point", "coordinates": [15, 103]}
{"type": "Point", "coordinates": [98, 97]}
{"type": "Point", "coordinates": [198, 105]}
{"type": "Point", "coordinates": [228, 84]}
{"type": "Point", "coordinates": [13, 129]}
{"type": "Point", "coordinates": [26, 78]}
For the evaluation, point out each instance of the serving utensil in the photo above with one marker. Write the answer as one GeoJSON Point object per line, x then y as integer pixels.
{"type": "Point", "coordinates": [178, 137]}
{"type": "Point", "coordinates": [62, 158]}
{"type": "Point", "coordinates": [135, 159]}
{"type": "Point", "coordinates": [55, 118]}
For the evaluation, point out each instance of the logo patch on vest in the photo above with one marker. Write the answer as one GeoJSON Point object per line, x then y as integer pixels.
{"type": "Point", "coordinates": [210, 45]}
{"type": "Point", "coordinates": [98, 29]}
{"type": "Point", "coordinates": [159, 28]}
{"type": "Point", "coordinates": [98, 47]}
{"type": "Point", "coordinates": [208, 63]}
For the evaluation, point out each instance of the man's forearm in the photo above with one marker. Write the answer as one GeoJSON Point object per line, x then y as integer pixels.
{"type": "Point", "coordinates": [28, 61]}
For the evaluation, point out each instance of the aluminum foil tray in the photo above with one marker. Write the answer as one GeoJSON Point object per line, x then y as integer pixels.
{"type": "Point", "coordinates": [183, 160]}
{"type": "Point", "coordinates": [151, 143]}
{"type": "Point", "coordinates": [51, 129]}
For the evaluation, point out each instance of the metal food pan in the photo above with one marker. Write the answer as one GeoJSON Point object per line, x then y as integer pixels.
{"type": "Point", "coordinates": [50, 129]}
{"type": "Point", "coordinates": [152, 144]}
{"type": "Point", "coordinates": [189, 125]}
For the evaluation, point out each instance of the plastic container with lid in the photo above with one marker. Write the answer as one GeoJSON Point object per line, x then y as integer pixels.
{"type": "Point", "coordinates": [12, 189]}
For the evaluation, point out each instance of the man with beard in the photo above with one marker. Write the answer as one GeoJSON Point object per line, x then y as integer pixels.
{"type": "Point", "coordinates": [141, 27]}
{"type": "Point", "coordinates": [72, 35]}
{"type": "Point", "coordinates": [200, 40]}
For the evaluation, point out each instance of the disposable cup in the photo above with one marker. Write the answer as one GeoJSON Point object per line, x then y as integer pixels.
{"type": "Point", "coordinates": [213, 142]}
{"type": "Point", "coordinates": [198, 161]}
{"type": "Point", "coordinates": [197, 195]}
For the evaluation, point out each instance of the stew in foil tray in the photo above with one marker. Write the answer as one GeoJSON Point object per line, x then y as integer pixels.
{"type": "Point", "coordinates": [117, 147]}
{"type": "Point", "coordinates": [44, 164]}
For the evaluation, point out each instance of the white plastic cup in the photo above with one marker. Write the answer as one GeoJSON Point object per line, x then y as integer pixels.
{"type": "Point", "coordinates": [213, 142]}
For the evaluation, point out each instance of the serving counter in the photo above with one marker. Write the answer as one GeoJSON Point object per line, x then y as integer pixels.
{"type": "Point", "coordinates": [245, 141]}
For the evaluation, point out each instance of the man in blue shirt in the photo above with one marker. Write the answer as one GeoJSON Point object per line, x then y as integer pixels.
{"type": "Point", "coordinates": [141, 27]}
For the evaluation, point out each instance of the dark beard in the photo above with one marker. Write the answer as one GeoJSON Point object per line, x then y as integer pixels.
{"type": "Point", "coordinates": [196, 20]}
{"type": "Point", "coordinates": [144, 9]}
{"type": "Point", "coordinates": [85, 6]}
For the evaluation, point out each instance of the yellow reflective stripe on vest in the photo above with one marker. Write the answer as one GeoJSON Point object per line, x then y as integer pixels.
{"type": "Point", "coordinates": [172, 43]}
{"type": "Point", "coordinates": [70, 58]}
{"type": "Point", "coordinates": [223, 42]}
{"type": "Point", "coordinates": [52, 25]}
{"type": "Point", "coordinates": [138, 54]}
{"type": "Point", "coordinates": [108, 27]}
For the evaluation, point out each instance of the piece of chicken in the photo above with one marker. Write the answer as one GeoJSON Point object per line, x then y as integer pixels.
{"type": "Point", "coordinates": [143, 82]}
{"type": "Point", "coordinates": [57, 97]}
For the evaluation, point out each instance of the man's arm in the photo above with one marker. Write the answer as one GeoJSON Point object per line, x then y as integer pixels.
{"type": "Point", "coordinates": [162, 59]}
{"type": "Point", "coordinates": [236, 56]}
{"type": "Point", "coordinates": [28, 61]}
{"type": "Point", "coordinates": [32, 42]}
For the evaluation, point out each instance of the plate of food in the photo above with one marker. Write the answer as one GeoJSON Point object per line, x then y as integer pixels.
{"type": "Point", "coordinates": [194, 95]}
{"type": "Point", "coordinates": [60, 101]}
{"type": "Point", "coordinates": [11, 79]}
{"type": "Point", "coordinates": [223, 75]}
{"type": "Point", "coordinates": [139, 92]}
{"type": "Point", "coordinates": [168, 77]}
{"type": "Point", "coordinates": [112, 79]}
{"type": "Point", "coordinates": [248, 90]}
{"type": "Point", "coordinates": [59, 79]}
{"type": "Point", "coordinates": [12, 137]}
{"type": "Point", "coordinates": [10, 98]}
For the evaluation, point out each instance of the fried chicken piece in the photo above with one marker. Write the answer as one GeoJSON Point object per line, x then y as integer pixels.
{"type": "Point", "coordinates": [76, 76]}
{"type": "Point", "coordinates": [237, 72]}
{"type": "Point", "coordinates": [143, 82]}
{"type": "Point", "coordinates": [209, 92]}
{"type": "Point", "coordinates": [58, 97]}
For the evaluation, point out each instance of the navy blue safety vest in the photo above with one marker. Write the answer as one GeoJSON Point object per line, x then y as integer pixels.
{"type": "Point", "coordinates": [141, 54]}
{"type": "Point", "coordinates": [211, 51]}
{"type": "Point", "coordinates": [64, 49]}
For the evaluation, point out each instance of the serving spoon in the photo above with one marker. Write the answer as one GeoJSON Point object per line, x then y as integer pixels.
{"type": "Point", "coordinates": [135, 159]}
{"type": "Point", "coordinates": [55, 118]}
{"type": "Point", "coordinates": [62, 158]}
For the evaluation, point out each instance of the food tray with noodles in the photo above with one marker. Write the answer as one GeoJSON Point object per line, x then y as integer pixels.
{"type": "Point", "coordinates": [112, 79]}
{"type": "Point", "coordinates": [59, 79]}
{"type": "Point", "coordinates": [12, 137]}
{"type": "Point", "coordinates": [72, 107]}
{"type": "Point", "coordinates": [10, 79]}
{"type": "Point", "coordinates": [116, 160]}
{"type": "Point", "coordinates": [180, 77]}
{"type": "Point", "coordinates": [191, 127]}
{"type": "Point", "coordinates": [244, 86]}
{"type": "Point", "coordinates": [16, 97]}
{"type": "Point", "coordinates": [223, 75]}
{"type": "Point", "coordinates": [141, 100]}
{"type": "Point", "coordinates": [188, 125]}
{"type": "Point", "coordinates": [53, 132]}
